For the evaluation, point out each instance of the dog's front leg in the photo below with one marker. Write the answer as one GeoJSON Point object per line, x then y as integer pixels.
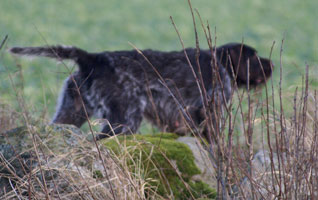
{"type": "Point", "coordinates": [124, 116]}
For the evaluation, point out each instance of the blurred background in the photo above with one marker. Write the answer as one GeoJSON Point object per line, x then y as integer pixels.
{"type": "Point", "coordinates": [101, 25]}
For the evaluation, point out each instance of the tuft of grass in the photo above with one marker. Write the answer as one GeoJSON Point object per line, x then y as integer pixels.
{"type": "Point", "coordinates": [9, 118]}
{"type": "Point", "coordinates": [56, 161]}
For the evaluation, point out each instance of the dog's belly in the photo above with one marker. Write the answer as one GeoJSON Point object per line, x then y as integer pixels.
{"type": "Point", "coordinates": [169, 109]}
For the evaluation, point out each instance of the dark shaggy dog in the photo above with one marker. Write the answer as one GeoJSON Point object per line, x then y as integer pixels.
{"type": "Point", "coordinates": [123, 87]}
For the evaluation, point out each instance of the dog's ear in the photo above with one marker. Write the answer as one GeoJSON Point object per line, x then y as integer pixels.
{"type": "Point", "coordinates": [237, 57]}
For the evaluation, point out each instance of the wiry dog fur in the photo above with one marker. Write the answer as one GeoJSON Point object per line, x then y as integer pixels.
{"type": "Point", "coordinates": [122, 87]}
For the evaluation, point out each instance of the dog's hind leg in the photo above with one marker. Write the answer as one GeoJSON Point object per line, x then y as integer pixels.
{"type": "Point", "coordinates": [70, 109]}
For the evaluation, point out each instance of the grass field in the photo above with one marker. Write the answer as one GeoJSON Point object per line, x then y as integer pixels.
{"type": "Point", "coordinates": [109, 25]}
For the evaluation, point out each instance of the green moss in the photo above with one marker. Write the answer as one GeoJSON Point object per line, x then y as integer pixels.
{"type": "Point", "coordinates": [97, 174]}
{"type": "Point", "coordinates": [201, 190]}
{"type": "Point", "coordinates": [160, 158]}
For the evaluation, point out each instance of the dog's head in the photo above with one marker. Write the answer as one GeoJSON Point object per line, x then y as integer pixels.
{"type": "Point", "coordinates": [237, 57]}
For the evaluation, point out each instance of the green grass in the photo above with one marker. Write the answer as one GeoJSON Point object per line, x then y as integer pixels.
{"type": "Point", "coordinates": [109, 25]}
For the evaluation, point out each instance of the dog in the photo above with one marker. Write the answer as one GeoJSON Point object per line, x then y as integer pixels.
{"type": "Point", "coordinates": [124, 87]}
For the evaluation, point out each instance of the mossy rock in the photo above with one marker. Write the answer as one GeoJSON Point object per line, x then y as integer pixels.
{"type": "Point", "coordinates": [44, 139]}
{"type": "Point", "coordinates": [25, 148]}
{"type": "Point", "coordinates": [165, 163]}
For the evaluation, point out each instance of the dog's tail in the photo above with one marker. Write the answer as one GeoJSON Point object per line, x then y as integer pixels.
{"type": "Point", "coordinates": [57, 52]}
{"type": "Point", "coordinates": [87, 62]}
